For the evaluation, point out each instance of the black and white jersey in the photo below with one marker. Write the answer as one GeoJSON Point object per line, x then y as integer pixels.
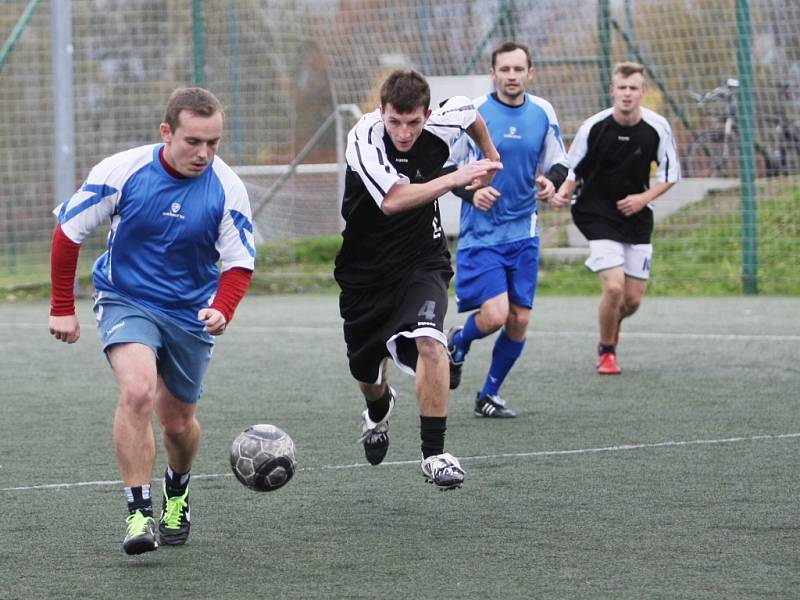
{"type": "Point", "coordinates": [380, 249]}
{"type": "Point", "coordinates": [613, 161]}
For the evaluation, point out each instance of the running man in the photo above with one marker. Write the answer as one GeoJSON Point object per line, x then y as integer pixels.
{"type": "Point", "coordinates": [497, 263]}
{"type": "Point", "coordinates": [612, 155]}
{"type": "Point", "coordinates": [175, 210]}
{"type": "Point", "coordinates": [394, 265]}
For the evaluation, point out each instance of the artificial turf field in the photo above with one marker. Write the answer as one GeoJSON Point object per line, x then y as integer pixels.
{"type": "Point", "coordinates": [678, 479]}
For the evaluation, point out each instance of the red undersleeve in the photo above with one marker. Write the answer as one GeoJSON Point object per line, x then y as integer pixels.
{"type": "Point", "coordinates": [233, 285]}
{"type": "Point", "coordinates": [63, 266]}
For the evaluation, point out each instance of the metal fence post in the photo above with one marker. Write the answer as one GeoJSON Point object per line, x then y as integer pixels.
{"type": "Point", "coordinates": [198, 44]}
{"type": "Point", "coordinates": [604, 49]}
{"type": "Point", "coordinates": [744, 31]}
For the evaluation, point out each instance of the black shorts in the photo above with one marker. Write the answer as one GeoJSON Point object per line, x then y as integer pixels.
{"type": "Point", "coordinates": [384, 322]}
{"type": "Point", "coordinates": [636, 229]}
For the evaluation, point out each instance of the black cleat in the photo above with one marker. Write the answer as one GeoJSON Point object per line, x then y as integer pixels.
{"type": "Point", "coordinates": [375, 436]}
{"type": "Point", "coordinates": [493, 407]}
{"type": "Point", "coordinates": [140, 535]}
{"type": "Point", "coordinates": [173, 527]}
{"type": "Point", "coordinates": [455, 365]}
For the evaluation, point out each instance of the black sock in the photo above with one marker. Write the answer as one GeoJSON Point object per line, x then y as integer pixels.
{"type": "Point", "coordinates": [139, 499]}
{"type": "Point", "coordinates": [603, 348]}
{"type": "Point", "coordinates": [431, 431]}
{"type": "Point", "coordinates": [377, 409]}
{"type": "Point", "coordinates": [176, 482]}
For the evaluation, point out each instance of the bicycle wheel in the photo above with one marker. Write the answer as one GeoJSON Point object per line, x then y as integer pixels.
{"type": "Point", "coordinates": [709, 156]}
{"type": "Point", "coordinates": [787, 160]}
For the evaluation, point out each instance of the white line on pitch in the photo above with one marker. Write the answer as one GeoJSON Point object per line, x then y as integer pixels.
{"type": "Point", "coordinates": [534, 333]}
{"type": "Point", "coordinates": [687, 336]}
{"type": "Point", "coordinates": [538, 332]}
{"type": "Point", "coordinates": [620, 448]}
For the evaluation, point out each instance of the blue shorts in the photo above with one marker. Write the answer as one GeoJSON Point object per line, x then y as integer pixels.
{"type": "Point", "coordinates": [485, 272]}
{"type": "Point", "coordinates": [182, 357]}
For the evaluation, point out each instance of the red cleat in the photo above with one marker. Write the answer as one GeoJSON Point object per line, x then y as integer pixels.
{"type": "Point", "coordinates": [607, 364]}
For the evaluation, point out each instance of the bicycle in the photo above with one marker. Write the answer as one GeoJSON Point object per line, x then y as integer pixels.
{"type": "Point", "coordinates": [784, 152]}
{"type": "Point", "coordinates": [715, 153]}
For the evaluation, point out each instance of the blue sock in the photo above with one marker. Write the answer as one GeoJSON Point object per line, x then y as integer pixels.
{"type": "Point", "coordinates": [505, 353]}
{"type": "Point", "coordinates": [464, 338]}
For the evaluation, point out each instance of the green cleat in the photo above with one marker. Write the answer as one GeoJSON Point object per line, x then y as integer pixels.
{"type": "Point", "coordinates": [141, 534]}
{"type": "Point", "coordinates": [173, 527]}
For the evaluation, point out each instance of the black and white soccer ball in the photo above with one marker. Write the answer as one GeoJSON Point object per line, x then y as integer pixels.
{"type": "Point", "coordinates": [263, 458]}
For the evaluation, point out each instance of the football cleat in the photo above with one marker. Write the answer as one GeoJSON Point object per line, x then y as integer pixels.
{"type": "Point", "coordinates": [607, 364]}
{"type": "Point", "coordinates": [375, 436]}
{"type": "Point", "coordinates": [443, 470]}
{"type": "Point", "coordinates": [173, 527]}
{"type": "Point", "coordinates": [456, 362]}
{"type": "Point", "coordinates": [492, 407]}
{"type": "Point", "coordinates": [140, 535]}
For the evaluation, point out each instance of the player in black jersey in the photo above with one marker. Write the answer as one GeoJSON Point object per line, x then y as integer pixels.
{"type": "Point", "coordinates": [394, 265]}
{"type": "Point", "coordinates": [611, 155]}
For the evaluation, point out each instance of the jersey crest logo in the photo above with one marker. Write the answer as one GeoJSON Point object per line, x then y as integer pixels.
{"type": "Point", "coordinates": [512, 133]}
{"type": "Point", "coordinates": [174, 208]}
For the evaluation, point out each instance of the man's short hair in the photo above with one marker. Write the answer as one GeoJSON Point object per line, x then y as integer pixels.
{"type": "Point", "coordinates": [510, 47]}
{"type": "Point", "coordinates": [626, 69]}
{"type": "Point", "coordinates": [406, 90]}
{"type": "Point", "coordinates": [194, 99]}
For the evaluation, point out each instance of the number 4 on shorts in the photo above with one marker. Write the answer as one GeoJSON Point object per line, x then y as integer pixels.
{"type": "Point", "coordinates": [428, 310]}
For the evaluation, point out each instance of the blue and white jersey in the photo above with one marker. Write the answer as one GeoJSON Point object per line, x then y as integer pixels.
{"type": "Point", "coordinates": [167, 234]}
{"type": "Point", "coordinates": [528, 139]}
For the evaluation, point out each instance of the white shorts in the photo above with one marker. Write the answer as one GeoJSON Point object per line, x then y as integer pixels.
{"type": "Point", "coordinates": [635, 259]}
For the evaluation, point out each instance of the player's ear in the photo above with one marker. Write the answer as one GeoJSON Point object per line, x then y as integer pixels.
{"type": "Point", "coordinates": [428, 113]}
{"type": "Point", "coordinates": [166, 132]}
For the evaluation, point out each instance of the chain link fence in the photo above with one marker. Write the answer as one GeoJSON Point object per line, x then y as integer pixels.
{"type": "Point", "coordinates": [282, 68]}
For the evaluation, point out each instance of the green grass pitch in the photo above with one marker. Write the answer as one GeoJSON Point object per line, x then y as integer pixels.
{"type": "Point", "coordinates": [678, 479]}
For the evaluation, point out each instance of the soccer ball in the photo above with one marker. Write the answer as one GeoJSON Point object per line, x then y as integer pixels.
{"type": "Point", "coordinates": [263, 458]}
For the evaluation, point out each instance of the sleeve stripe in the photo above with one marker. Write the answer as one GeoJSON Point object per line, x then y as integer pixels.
{"type": "Point", "coordinates": [99, 192]}
{"type": "Point", "coordinates": [365, 171]}
{"type": "Point", "coordinates": [242, 224]}
{"type": "Point", "coordinates": [430, 124]}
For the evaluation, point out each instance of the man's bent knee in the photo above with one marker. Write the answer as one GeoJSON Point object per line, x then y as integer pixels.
{"type": "Point", "coordinates": [517, 322]}
{"type": "Point", "coordinates": [493, 315]}
{"type": "Point", "coordinates": [629, 307]}
{"type": "Point", "coordinates": [613, 290]}
{"type": "Point", "coordinates": [137, 398]}
{"type": "Point", "coordinates": [429, 348]}
{"type": "Point", "coordinates": [178, 426]}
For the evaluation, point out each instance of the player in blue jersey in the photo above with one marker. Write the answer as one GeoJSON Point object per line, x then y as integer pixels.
{"type": "Point", "coordinates": [497, 262]}
{"type": "Point", "coordinates": [176, 210]}
{"type": "Point", "coordinates": [611, 156]}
